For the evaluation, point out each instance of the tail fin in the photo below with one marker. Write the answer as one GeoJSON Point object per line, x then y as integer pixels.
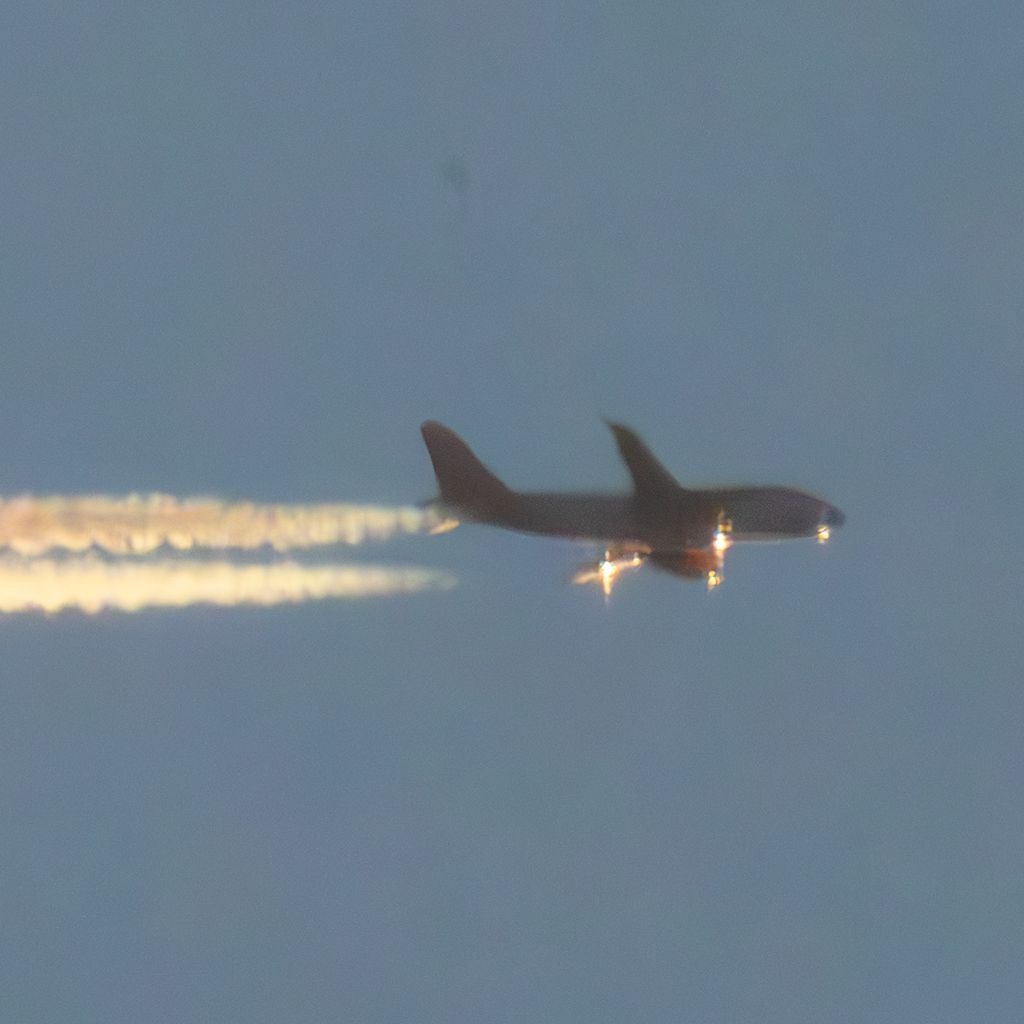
{"type": "Point", "coordinates": [466, 483]}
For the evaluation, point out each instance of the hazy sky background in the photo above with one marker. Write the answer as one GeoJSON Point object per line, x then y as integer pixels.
{"type": "Point", "coordinates": [248, 248]}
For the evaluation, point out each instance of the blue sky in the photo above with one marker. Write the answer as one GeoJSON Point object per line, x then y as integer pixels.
{"type": "Point", "coordinates": [785, 244]}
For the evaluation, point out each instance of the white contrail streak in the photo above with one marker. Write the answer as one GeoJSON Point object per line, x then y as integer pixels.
{"type": "Point", "coordinates": [138, 524]}
{"type": "Point", "coordinates": [89, 584]}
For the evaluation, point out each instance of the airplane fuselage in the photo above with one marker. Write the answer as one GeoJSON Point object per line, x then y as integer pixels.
{"type": "Point", "coordinates": [685, 519]}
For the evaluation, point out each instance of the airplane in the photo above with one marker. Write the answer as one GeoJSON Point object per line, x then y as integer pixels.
{"type": "Point", "coordinates": [678, 530]}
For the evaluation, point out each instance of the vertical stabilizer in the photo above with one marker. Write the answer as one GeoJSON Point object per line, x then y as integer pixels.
{"type": "Point", "coordinates": [466, 483]}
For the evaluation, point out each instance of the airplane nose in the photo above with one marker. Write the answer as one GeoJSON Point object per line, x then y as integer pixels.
{"type": "Point", "coordinates": [832, 517]}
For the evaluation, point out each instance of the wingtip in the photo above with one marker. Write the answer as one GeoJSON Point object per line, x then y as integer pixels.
{"type": "Point", "coordinates": [434, 428]}
{"type": "Point", "coordinates": [622, 433]}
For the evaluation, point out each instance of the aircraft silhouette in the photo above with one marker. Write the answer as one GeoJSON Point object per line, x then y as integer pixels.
{"type": "Point", "coordinates": [678, 530]}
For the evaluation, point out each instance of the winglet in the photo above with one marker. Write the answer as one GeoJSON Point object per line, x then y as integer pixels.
{"type": "Point", "coordinates": [649, 475]}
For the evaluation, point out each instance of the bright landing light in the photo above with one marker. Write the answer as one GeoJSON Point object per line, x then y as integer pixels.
{"type": "Point", "coordinates": [721, 540]}
{"type": "Point", "coordinates": [607, 570]}
{"type": "Point", "coordinates": [611, 567]}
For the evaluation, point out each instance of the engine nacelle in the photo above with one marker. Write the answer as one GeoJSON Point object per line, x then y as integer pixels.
{"type": "Point", "coordinates": [692, 564]}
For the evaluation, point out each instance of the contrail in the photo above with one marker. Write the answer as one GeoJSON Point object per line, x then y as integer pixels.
{"type": "Point", "coordinates": [90, 584]}
{"type": "Point", "coordinates": [139, 524]}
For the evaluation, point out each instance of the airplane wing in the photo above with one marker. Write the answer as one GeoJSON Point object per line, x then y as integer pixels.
{"type": "Point", "coordinates": [650, 477]}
